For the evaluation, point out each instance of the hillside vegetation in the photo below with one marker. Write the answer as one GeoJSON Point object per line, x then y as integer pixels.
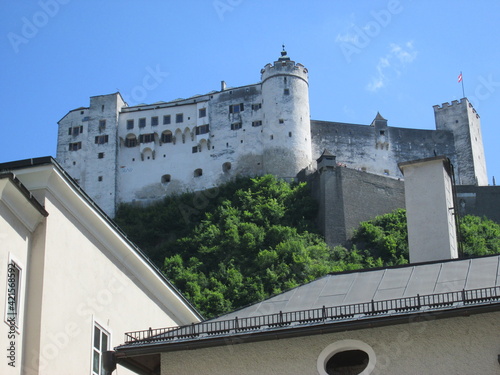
{"type": "Point", "coordinates": [244, 241]}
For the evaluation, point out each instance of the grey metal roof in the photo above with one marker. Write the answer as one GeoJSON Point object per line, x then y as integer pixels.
{"type": "Point", "coordinates": [381, 284]}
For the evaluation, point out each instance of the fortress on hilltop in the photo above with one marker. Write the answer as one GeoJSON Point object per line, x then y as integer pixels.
{"type": "Point", "coordinates": [142, 153]}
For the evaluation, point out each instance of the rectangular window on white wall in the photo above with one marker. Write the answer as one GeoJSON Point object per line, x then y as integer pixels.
{"type": "Point", "coordinates": [100, 345]}
{"type": "Point", "coordinates": [13, 297]}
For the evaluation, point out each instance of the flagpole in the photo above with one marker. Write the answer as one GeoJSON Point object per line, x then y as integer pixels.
{"type": "Point", "coordinates": [462, 80]}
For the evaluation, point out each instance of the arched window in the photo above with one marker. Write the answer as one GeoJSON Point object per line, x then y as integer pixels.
{"type": "Point", "coordinates": [166, 136]}
{"type": "Point", "coordinates": [226, 167]}
{"type": "Point", "coordinates": [198, 172]}
{"type": "Point", "coordinates": [346, 357]}
{"type": "Point", "coordinates": [131, 140]}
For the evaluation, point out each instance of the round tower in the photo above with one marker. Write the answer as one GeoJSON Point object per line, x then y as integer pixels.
{"type": "Point", "coordinates": [286, 125]}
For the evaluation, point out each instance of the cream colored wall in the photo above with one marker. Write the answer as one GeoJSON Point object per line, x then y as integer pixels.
{"type": "Point", "coordinates": [84, 283]}
{"type": "Point", "coordinates": [462, 345]}
{"type": "Point", "coordinates": [14, 237]}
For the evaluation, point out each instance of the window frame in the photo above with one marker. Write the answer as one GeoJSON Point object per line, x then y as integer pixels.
{"type": "Point", "coordinates": [202, 112]}
{"type": "Point", "coordinates": [130, 124]}
{"type": "Point", "coordinates": [99, 350]}
{"type": "Point", "coordinates": [155, 121]}
{"type": "Point", "coordinates": [236, 108]}
{"type": "Point", "coordinates": [179, 118]}
{"type": "Point", "coordinates": [142, 122]}
{"type": "Point", "coordinates": [167, 119]}
{"type": "Point", "coordinates": [74, 146]}
{"type": "Point", "coordinates": [344, 345]}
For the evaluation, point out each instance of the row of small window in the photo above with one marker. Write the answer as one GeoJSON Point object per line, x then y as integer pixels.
{"type": "Point", "coordinates": [166, 136]}
{"type": "Point", "coordinates": [238, 125]}
{"type": "Point", "coordinates": [155, 120]}
{"type": "Point", "coordinates": [237, 108]}
{"type": "Point", "coordinates": [76, 130]}
{"type": "Point", "coordinates": [166, 178]}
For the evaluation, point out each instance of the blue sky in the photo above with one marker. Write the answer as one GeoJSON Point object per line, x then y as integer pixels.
{"type": "Point", "coordinates": [396, 57]}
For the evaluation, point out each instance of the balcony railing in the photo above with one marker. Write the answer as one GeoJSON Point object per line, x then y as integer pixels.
{"type": "Point", "coordinates": [316, 316]}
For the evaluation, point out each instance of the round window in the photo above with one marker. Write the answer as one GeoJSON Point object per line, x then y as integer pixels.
{"type": "Point", "coordinates": [346, 357]}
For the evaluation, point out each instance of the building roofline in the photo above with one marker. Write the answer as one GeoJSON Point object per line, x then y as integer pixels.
{"type": "Point", "coordinates": [129, 354]}
{"type": "Point", "coordinates": [24, 191]}
{"type": "Point", "coordinates": [49, 160]}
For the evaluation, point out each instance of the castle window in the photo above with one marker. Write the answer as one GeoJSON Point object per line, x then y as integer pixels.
{"type": "Point", "coordinates": [236, 108]}
{"type": "Point", "coordinates": [165, 179]}
{"type": "Point", "coordinates": [75, 146]}
{"type": "Point", "coordinates": [142, 122]}
{"type": "Point", "coordinates": [256, 106]}
{"type": "Point", "coordinates": [154, 121]}
{"type": "Point", "coordinates": [382, 132]}
{"type": "Point", "coordinates": [130, 141]}
{"type": "Point", "coordinates": [226, 167]}
{"type": "Point", "coordinates": [147, 138]}
{"type": "Point", "coordinates": [202, 129]}
{"type": "Point", "coordinates": [82, 112]}
{"type": "Point", "coordinates": [102, 108]}
{"type": "Point", "coordinates": [100, 155]}
{"type": "Point", "coordinates": [386, 172]}
{"type": "Point", "coordinates": [166, 119]}
{"type": "Point", "coordinates": [99, 178]}
{"type": "Point", "coordinates": [166, 136]}
{"type": "Point", "coordinates": [202, 112]}
{"type": "Point", "coordinates": [179, 117]}
{"type": "Point", "coordinates": [102, 124]}
{"type": "Point", "coordinates": [130, 124]}
{"type": "Point", "coordinates": [198, 172]}
{"type": "Point", "coordinates": [272, 137]}
{"type": "Point", "coordinates": [256, 123]}
{"type": "Point", "coordinates": [289, 134]}
{"type": "Point", "coordinates": [236, 126]}
{"type": "Point", "coordinates": [286, 92]}
{"type": "Point", "coordinates": [75, 130]}
{"type": "Point", "coordinates": [101, 139]}
{"type": "Point", "coordinates": [281, 121]}
{"type": "Point", "coordinates": [195, 149]}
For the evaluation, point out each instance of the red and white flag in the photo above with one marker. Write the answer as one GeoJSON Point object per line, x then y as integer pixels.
{"type": "Point", "coordinates": [460, 78]}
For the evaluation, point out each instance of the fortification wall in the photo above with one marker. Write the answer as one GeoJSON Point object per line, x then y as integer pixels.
{"type": "Point", "coordinates": [379, 149]}
{"type": "Point", "coordinates": [348, 197]}
{"type": "Point", "coordinates": [479, 201]}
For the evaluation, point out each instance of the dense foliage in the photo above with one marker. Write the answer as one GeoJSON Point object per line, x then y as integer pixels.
{"type": "Point", "coordinates": [235, 245]}
{"type": "Point", "coordinates": [246, 240]}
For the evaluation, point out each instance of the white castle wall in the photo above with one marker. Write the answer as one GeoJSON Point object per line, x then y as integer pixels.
{"type": "Point", "coordinates": [248, 130]}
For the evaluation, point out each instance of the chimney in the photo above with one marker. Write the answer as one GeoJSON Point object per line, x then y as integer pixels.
{"type": "Point", "coordinates": [222, 85]}
{"type": "Point", "coordinates": [432, 231]}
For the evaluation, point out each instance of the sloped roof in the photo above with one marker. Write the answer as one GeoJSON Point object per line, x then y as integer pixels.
{"type": "Point", "coordinates": [381, 284]}
{"type": "Point", "coordinates": [339, 302]}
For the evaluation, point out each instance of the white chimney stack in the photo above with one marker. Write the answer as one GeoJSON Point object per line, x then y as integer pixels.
{"type": "Point", "coordinates": [432, 232]}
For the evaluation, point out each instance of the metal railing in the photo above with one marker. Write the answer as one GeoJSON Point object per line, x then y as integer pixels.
{"type": "Point", "coordinates": [316, 316]}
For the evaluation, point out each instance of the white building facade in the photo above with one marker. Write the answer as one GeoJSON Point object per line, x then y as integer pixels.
{"type": "Point", "coordinates": [74, 283]}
